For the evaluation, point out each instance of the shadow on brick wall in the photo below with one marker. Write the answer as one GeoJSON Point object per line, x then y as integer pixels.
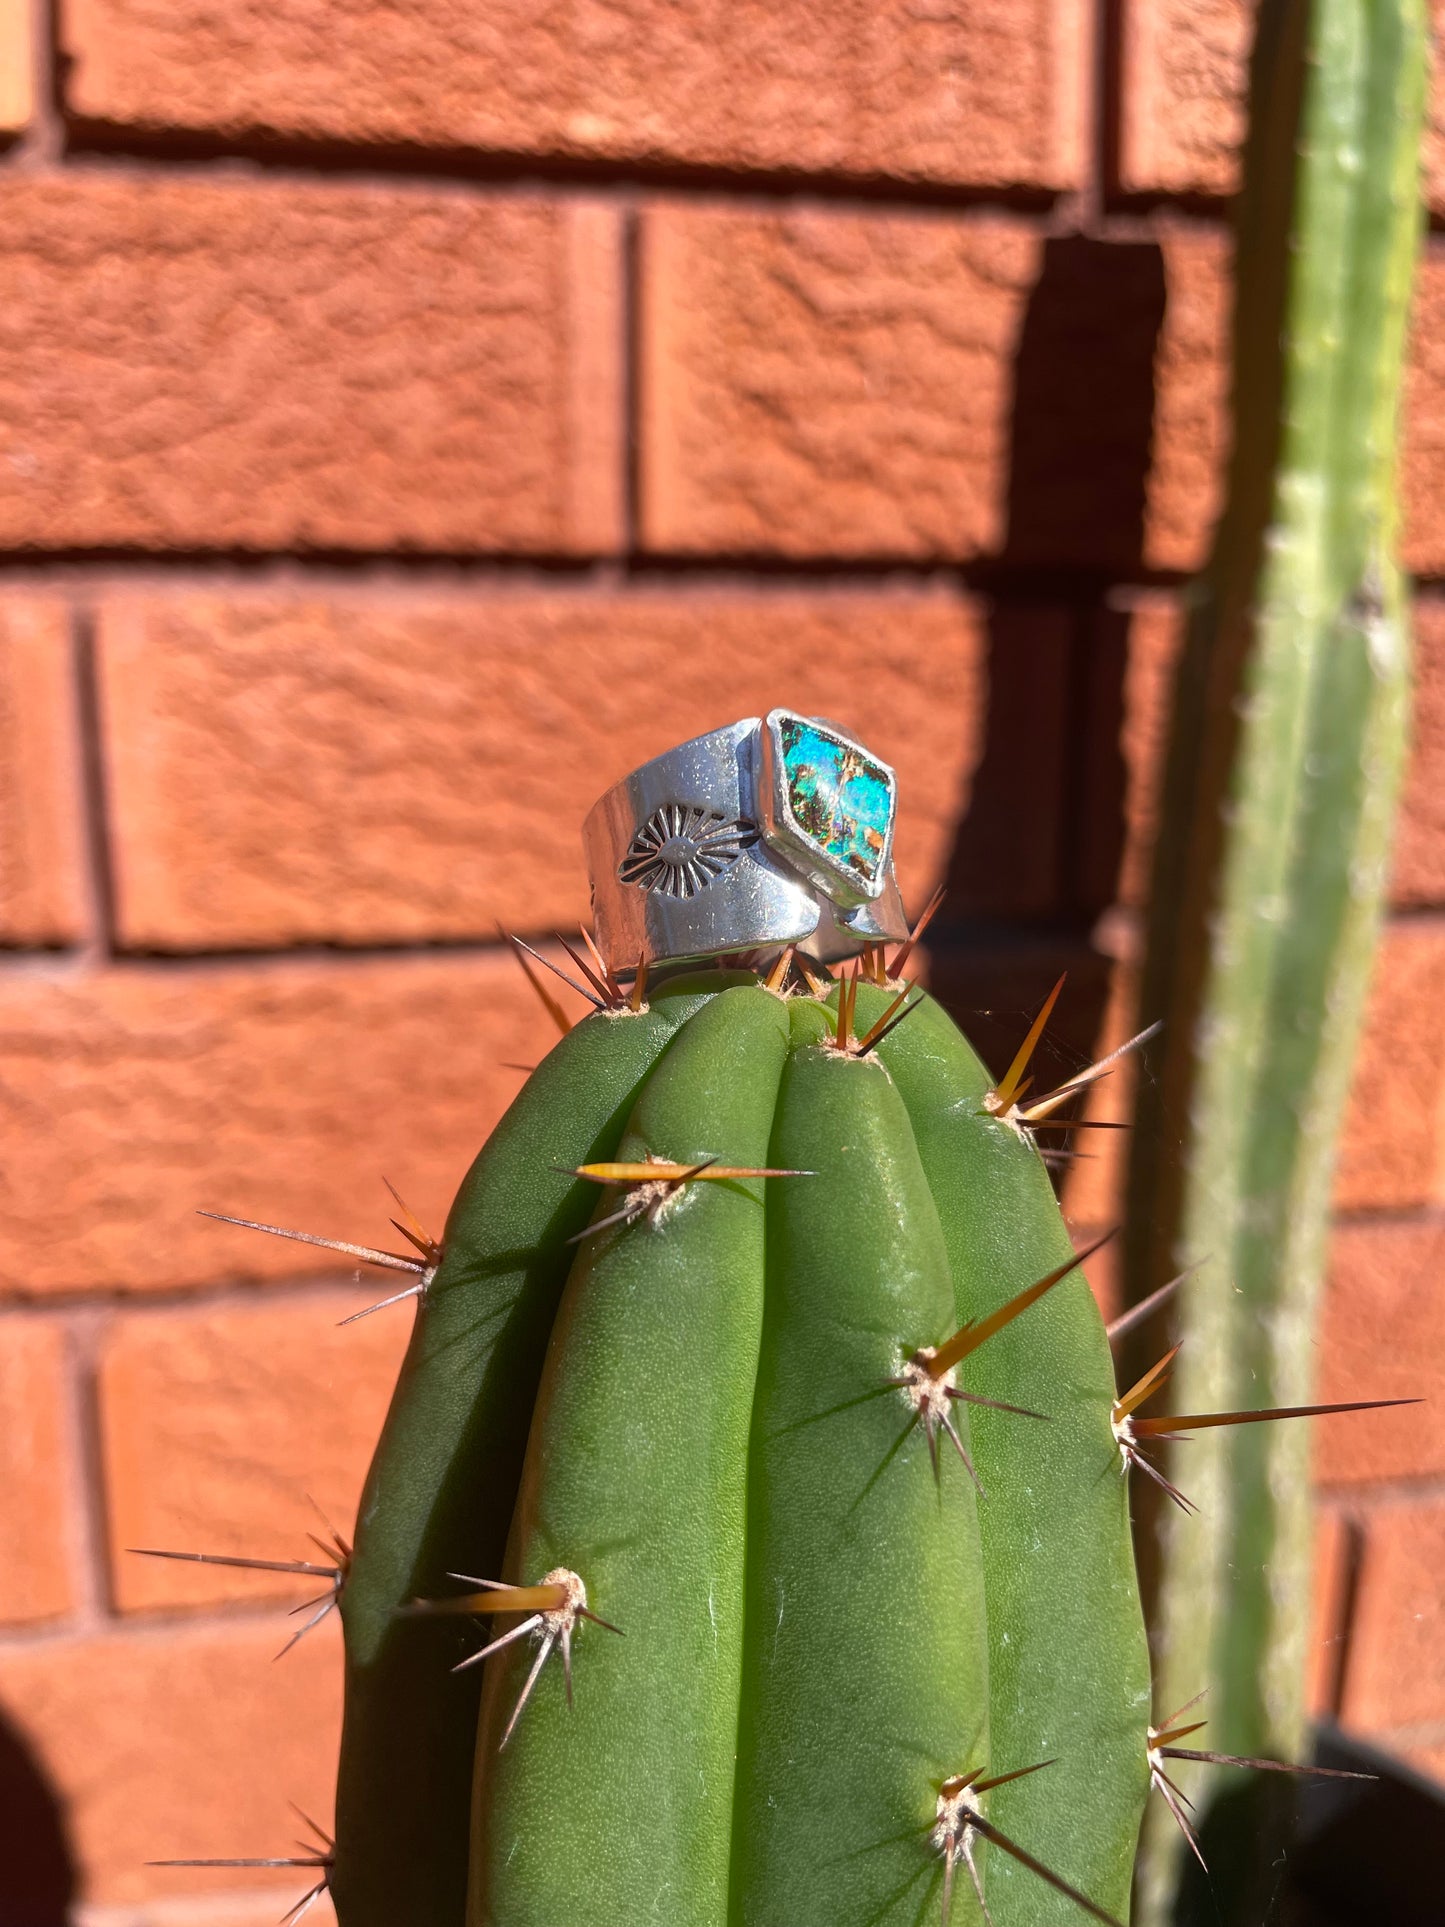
{"type": "Point", "coordinates": [37, 1867]}
{"type": "Point", "coordinates": [1037, 856]}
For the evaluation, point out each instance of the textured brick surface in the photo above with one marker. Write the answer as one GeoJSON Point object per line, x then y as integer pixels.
{"type": "Point", "coordinates": [1183, 84]}
{"type": "Point", "coordinates": [16, 65]}
{"type": "Point", "coordinates": [1184, 74]}
{"type": "Point", "coordinates": [1397, 1657]}
{"type": "Point", "coordinates": [990, 95]}
{"type": "Point", "coordinates": [1183, 486]}
{"type": "Point", "coordinates": [35, 1473]}
{"type": "Point", "coordinates": [232, 1429]}
{"type": "Point", "coordinates": [284, 1093]}
{"type": "Point", "coordinates": [42, 884]}
{"type": "Point", "coordinates": [219, 365]}
{"type": "Point", "coordinates": [1394, 1129]}
{"type": "Point", "coordinates": [1135, 654]}
{"type": "Point", "coordinates": [1328, 1630]}
{"type": "Point", "coordinates": [178, 1742]}
{"type": "Point", "coordinates": [855, 385]}
{"type": "Point", "coordinates": [1382, 1335]}
{"type": "Point", "coordinates": [832, 384]}
{"type": "Point", "coordinates": [284, 770]}
{"type": "Point", "coordinates": [1422, 480]}
{"type": "Point", "coordinates": [1093, 1179]}
{"type": "Point", "coordinates": [249, 1908]}
{"type": "Point", "coordinates": [1418, 875]}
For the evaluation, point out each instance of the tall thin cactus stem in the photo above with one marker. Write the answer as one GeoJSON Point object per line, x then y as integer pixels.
{"type": "Point", "coordinates": [1284, 767]}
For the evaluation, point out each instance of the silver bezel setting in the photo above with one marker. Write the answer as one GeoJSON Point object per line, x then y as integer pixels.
{"type": "Point", "coordinates": [837, 880]}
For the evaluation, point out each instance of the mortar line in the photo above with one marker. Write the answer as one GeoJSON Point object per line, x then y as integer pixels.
{"type": "Point", "coordinates": [42, 143]}
{"type": "Point", "coordinates": [149, 1624]}
{"type": "Point", "coordinates": [1109, 54]}
{"type": "Point", "coordinates": [500, 176]}
{"type": "Point", "coordinates": [398, 572]}
{"type": "Point", "coordinates": [974, 940]}
{"type": "Point", "coordinates": [1362, 1497]}
{"type": "Point", "coordinates": [630, 353]}
{"type": "Point", "coordinates": [233, 1291]}
{"type": "Point", "coordinates": [85, 1327]}
{"type": "Point", "coordinates": [100, 942]}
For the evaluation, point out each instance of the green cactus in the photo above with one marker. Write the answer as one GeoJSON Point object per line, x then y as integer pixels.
{"type": "Point", "coordinates": [1287, 750]}
{"type": "Point", "coordinates": [712, 1413]}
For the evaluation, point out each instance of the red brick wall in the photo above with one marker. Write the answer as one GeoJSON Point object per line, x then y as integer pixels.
{"type": "Point", "coordinates": [410, 418]}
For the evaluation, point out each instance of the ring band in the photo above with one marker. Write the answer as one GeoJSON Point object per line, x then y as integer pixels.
{"type": "Point", "coordinates": [774, 830]}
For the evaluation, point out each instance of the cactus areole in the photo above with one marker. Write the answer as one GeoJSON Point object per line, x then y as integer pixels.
{"type": "Point", "coordinates": [747, 1541]}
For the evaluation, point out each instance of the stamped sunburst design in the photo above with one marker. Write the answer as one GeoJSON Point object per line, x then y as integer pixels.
{"type": "Point", "coordinates": [682, 848]}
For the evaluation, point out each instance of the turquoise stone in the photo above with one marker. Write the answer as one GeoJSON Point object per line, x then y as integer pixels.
{"type": "Point", "coordinates": [837, 796]}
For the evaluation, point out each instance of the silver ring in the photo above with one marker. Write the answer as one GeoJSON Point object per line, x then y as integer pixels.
{"type": "Point", "coordinates": [775, 830]}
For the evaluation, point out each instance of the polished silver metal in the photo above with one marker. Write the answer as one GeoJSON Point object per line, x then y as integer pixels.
{"type": "Point", "coordinates": [688, 861]}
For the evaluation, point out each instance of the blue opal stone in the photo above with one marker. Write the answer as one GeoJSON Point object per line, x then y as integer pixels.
{"type": "Point", "coordinates": [837, 796]}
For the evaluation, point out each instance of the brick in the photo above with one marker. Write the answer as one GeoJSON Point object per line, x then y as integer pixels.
{"type": "Point", "coordinates": [1422, 473]}
{"type": "Point", "coordinates": [1418, 873]}
{"type": "Point", "coordinates": [1396, 1673]}
{"type": "Point", "coordinates": [1329, 1613]}
{"type": "Point", "coordinates": [992, 95]}
{"type": "Point", "coordinates": [17, 65]}
{"type": "Point", "coordinates": [35, 1473]}
{"type": "Point", "coordinates": [1183, 489]}
{"type": "Point", "coordinates": [1184, 82]}
{"type": "Point", "coordinates": [1382, 1335]}
{"type": "Point", "coordinates": [855, 384]}
{"type": "Point", "coordinates": [235, 364]}
{"type": "Point", "coordinates": [234, 1429]}
{"type": "Point", "coordinates": [387, 833]}
{"type": "Point", "coordinates": [1391, 1146]}
{"type": "Point", "coordinates": [1093, 1183]}
{"type": "Point", "coordinates": [247, 1909]}
{"type": "Point", "coordinates": [283, 1092]}
{"type": "Point", "coordinates": [178, 1741]}
{"type": "Point", "coordinates": [42, 858]}
{"type": "Point", "coordinates": [832, 384]}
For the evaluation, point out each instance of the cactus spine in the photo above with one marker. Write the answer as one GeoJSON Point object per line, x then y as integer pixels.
{"type": "Point", "coordinates": [1286, 757]}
